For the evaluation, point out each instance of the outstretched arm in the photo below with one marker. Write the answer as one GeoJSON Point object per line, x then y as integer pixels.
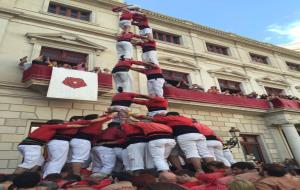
{"type": "Point", "coordinates": [103, 118]}
{"type": "Point", "coordinates": [140, 117]}
{"type": "Point", "coordinates": [140, 70]}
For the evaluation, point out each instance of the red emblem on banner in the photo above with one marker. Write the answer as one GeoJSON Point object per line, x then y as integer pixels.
{"type": "Point", "coordinates": [74, 82]}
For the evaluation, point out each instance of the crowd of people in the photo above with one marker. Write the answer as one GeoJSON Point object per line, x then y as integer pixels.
{"type": "Point", "coordinates": [160, 150]}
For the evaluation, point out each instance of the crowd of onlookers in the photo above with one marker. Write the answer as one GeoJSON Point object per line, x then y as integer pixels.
{"type": "Point", "coordinates": [216, 176]}
{"type": "Point", "coordinates": [24, 64]}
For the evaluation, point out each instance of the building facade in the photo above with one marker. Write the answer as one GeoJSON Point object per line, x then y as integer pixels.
{"type": "Point", "coordinates": [85, 30]}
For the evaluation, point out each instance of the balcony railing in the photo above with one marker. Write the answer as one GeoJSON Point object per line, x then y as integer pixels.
{"type": "Point", "coordinates": [285, 103]}
{"type": "Point", "coordinates": [203, 97]}
{"type": "Point", "coordinates": [40, 75]}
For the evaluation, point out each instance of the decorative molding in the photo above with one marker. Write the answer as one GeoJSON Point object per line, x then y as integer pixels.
{"type": "Point", "coordinates": [65, 38]}
{"type": "Point", "coordinates": [228, 72]}
{"type": "Point", "coordinates": [178, 62]}
{"type": "Point", "coordinates": [270, 80]}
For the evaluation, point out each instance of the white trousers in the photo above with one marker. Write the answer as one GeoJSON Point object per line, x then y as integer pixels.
{"type": "Point", "coordinates": [228, 155]}
{"type": "Point", "coordinates": [155, 86]}
{"type": "Point", "coordinates": [119, 160]}
{"type": "Point", "coordinates": [139, 157]}
{"type": "Point", "coordinates": [123, 23]}
{"type": "Point", "coordinates": [216, 149]}
{"type": "Point", "coordinates": [80, 150]}
{"type": "Point", "coordinates": [124, 48]}
{"type": "Point", "coordinates": [194, 145]}
{"type": "Point", "coordinates": [123, 79]}
{"type": "Point", "coordinates": [105, 159]}
{"type": "Point", "coordinates": [145, 31]}
{"type": "Point", "coordinates": [57, 156]}
{"type": "Point", "coordinates": [150, 56]}
{"type": "Point", "coordinates": [32, 156]}
{"type": "Point", "coordinates": [125, 159]}
{"type": "Point", "coordinates": [153, 113]}
{"type": "Point", "coordinates": [160, 150]}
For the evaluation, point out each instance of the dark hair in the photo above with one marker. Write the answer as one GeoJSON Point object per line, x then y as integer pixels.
{"type": "Point", "coordinates": [45, 58]}
{"type": "Point", "coordinates": [75, 118]}
{"type": "Point", "coordinates": [91, 117]}
{"type": "Point", "coordinates": [27, 180]}
{"type": "Point", "coordinates": [53, 177]}
{"type": "Point", "coordinates": [51, 185]}
{"type": "Point", "coordinates": [243, 165]}
{"type": "Point", "coordinates": [143, 180]}
{"type": "Point", "coordinates": [113, 124]}
{"type": "Point", "coordinates": [120, 89]}
{"type": "Point", "coordinates": [274, 170]}
{"type": "Point", "coordinates": [73, 177]}
{"type": "Point", "coordinates": [172, 113]}
{"type": "Point", "coordinates": [163, 186]}
{"type": "Point", "coordinates": [7, 177]}
{"type": "Point", "coordinates": [184, 172]}
{"type": "Point", "coordinates": [54, 121]}
{"type": "Point", "coordinates": [207, 166]}
{"type": "Point", "coordinates": [122, 176]}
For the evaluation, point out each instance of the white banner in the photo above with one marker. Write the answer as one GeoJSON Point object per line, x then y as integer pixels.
{"type": "Point", "coordinates": [73, 84]}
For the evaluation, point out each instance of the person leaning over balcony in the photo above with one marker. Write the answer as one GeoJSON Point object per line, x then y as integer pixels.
{"type": "Point", "coordinates": [155, 104]}
{"type": "Point", "coordinates": [149, 51]}
{"type": "Point", "coordinates": [190, 140]}
{"type": "Point", "coordinates": [121, 76]}
{"type": "Point", "coordinates": [81, 142]}
{"type": "Point", "coordinates": [124, 45]}
{"type": "Point", "coordinates": [155, 78]}
{"type": "Point", "coordinates": [31, 147]}
{"type": "Point", "coordinates": [214, 90]}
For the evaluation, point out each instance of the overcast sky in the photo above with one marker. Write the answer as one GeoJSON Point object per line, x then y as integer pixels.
{"type": "Point", "coordinates": [272, 21]}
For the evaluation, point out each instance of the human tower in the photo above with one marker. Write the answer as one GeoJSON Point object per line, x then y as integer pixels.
{"type": "Point", "coordinates": [131, 142]}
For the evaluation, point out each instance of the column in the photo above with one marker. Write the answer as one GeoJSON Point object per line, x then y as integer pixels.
{"type": "Point", "coordinates": [293, 139]}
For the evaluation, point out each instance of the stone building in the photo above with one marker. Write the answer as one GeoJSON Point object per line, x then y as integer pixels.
{"type": "Point", "coordinates": [86, 30]}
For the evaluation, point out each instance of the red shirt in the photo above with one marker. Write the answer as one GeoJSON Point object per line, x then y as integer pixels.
{"type": "Point", "coordinates": [154, 104]}
{"type": "Point", "coordinates": [130, 130]}
{"type": "Point", "coordinates": [123, 99]}
{"type": "Point", "coordinates": [180, 124]}
{"type": "Point", "coordinates": [147, 46]}
{"type": "Point", "coordinates": [207, 132]}
{"type": "Point", "coordinates": [142, 21]}
{"type": "Point", "coordinates": [110, 134]}
{"type": "Point", "coordinates": [127, 36]}
{"type": "Point", "coordinates": [68, 133]}
{"type": "Point", "coordinates": [46, 132]}
{"type": "Point", "coordinates": [126, 15]}
{"type": "Point", "coordinates": [151, 127]}
{"type": "Point", "coordinates": [125, 65]}
{"type": "Point", "coordinates": [94, 129]}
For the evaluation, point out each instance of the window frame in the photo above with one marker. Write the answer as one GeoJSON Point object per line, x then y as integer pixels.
{"type": "Point", "coordinates": [162, 36]}
{"type": "Point", "coordinates": [264, 57]}
{"type": "Point", "coordinates": [290, 67]}
{"type": "Point", "coordinates": [69, 10]}
{"type": "Point", "coordinates": [232, 81]}
{"type": "Point", "coordinates": [268, 87]}
{"type": "Point", "coordinates": [217, 47]}
{"type": "Point", "coordinates": [245, 145]}
{"type": "Point", "coordinates": [185, 76]}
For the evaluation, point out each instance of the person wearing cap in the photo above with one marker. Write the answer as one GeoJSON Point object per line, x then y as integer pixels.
{"type": "Point", "coordinates": [58, 147]}
{"type": "Point", "coordinates": [103, 150]}
{"type": "Point", "coordinates": [160, 142]}
{"type": "Point", "coordinates": [189, 139]}
{"type": "Point", "coordinates": [81, 143]}
{"type": "Point", "coordinates": [214, 143]}
{"type": "Point", "coordinates": [31, 146]}
{"type": "Point", "coordinates": [155, 78]}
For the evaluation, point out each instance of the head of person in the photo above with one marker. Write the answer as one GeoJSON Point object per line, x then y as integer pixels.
{"type": "Point", "coordinates": [27, 180]}
{"type": "Point", "coordinates": [54, 121]}
{"type": "Point", "coordinates": [241, 167]}
{"type": "Point", "coordinates": [173, 113]}
{"type": "Point", "coordinates": [46, 58]}
{"type": "Point", "coordinates": [122, 176]}
{"type": "Point", "coordinates": [53, 177]}
{"type": "Point", "coordinates": [275, 170]}
{"type": "Point", "coordinates": [167, 177]}
{"type": "Point", "coordinates": [241, 185]}
{"type": "Point", "coordinates": [184, 175]}
{"type": "Point", "coordinates": [76, 118]}
{"type": "Point", "coordinates": [91, 117]}
{"type": "Point", "coordinates": [163, 186]}
{"type": "Point", "coordinates": [48, 185]}
{"type": "Point", "coordinates": [143, 180]}
{"type": "Point", "coordinates": [6, 180]}
{"type": "Point", "coordinates": [210, 167]}
{"type": "Point", "coordinates": [120, 89]}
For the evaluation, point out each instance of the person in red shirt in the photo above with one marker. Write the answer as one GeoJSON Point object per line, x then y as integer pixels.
{"type": "Point", "coordinates": [155, 79]}
{"type": "Point", "coordinates": [31, 147]}
{"type": "Point", "coordinates": [155, 104]}
{"type": "Point", "coordinates": [190, 140]}
{"type": "Point", "coordinates": [149, 51]}
{"type": "Point", "coordinates": [136, 150]}
{"type": "Point", "coordinates": [124, 45]}
{"type": "Point", "coordinates": [58, 147]}
{"type": "Point", "coordinates": [103, 151]}
{"type": "Point", "coordinates": [214, 143]}
{"type": "Point", "coordinates": [127, 13]}
{"type": "Point", "coordinates": [121, 76]}
{"type": "Point", "coordinates": [142, 22]}
{"type": "Point", "coordinates": [81, 143]}
{"type": "Point", "coordinates": [160, 142]}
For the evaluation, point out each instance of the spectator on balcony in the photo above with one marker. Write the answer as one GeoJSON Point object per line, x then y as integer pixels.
{"type": "Point", "coordinates": [24, 64]}
{"type": "Point", "coordinates": [96, 70]}
{"type": "Point", "coordinates": [53, 64]}
{"type": "Point", "coordinates": [214, 90]}
{"type": "Point", "coordinates": [80, 67]}
{"type": "Point", "coordinates": [106, 71]}
{"type": "Point", "coordinates": [196, 87]}
{"type": "Point", "coordinates": [263, 96]}
{"type": "Point", "coordinates": [252, 95]}
{"type": "Point", "coordinates": [66, 66]}
{"type": "Point", "coordinates": [226, 92]}
{"type": "Point", "coordinates": [183, 84]}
